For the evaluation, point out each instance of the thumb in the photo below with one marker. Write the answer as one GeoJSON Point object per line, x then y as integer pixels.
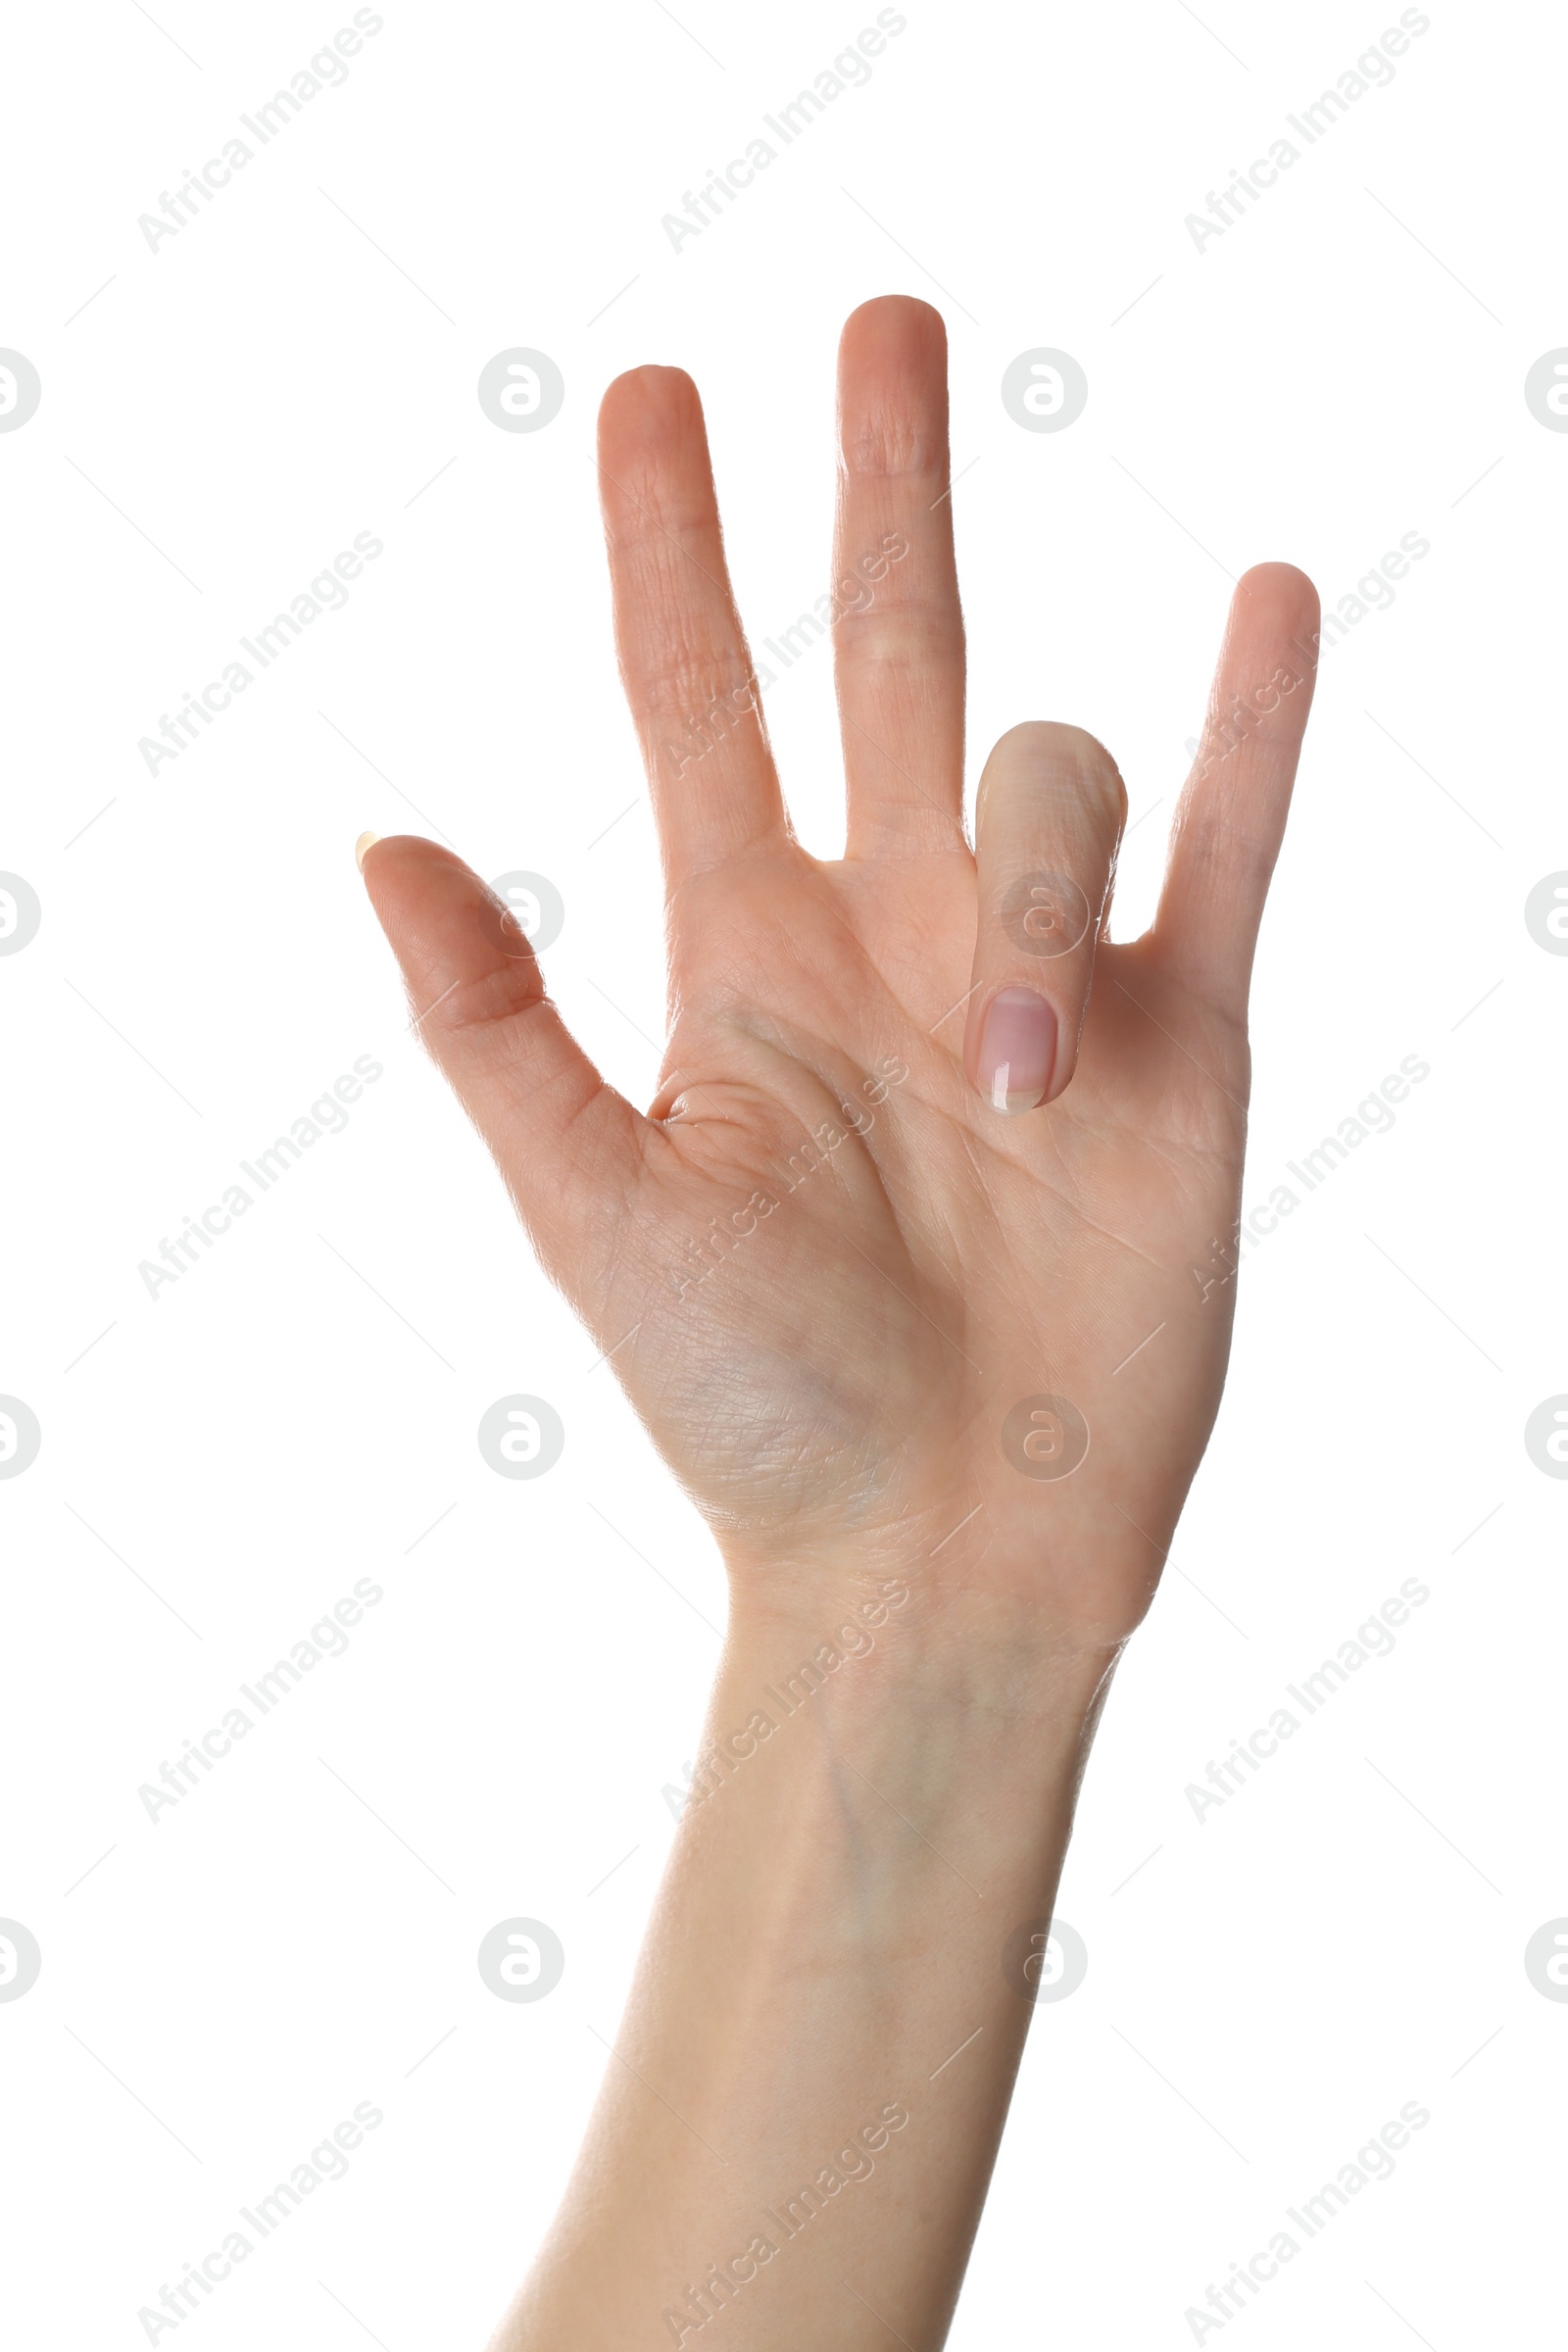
{"type": "Point", "coordinates": [562, 1139]}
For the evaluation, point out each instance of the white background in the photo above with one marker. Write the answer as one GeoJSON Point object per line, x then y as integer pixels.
{"type": "Point", "coordinates": [297, 365]}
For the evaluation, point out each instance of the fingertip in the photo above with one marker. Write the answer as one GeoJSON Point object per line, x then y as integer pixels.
{"type": "Point", "coordinates": [650, 382]}
{"type": "Point", "coordinates": [408, 877]}
{"type": "Point", "coordinates": [895, 323]}
{"type": "Point", "coordinates": [477, 1003]}
{"type": "Point", "coordinates": [402, 853]}
{"type": "Point", "coordinates": [892, 388]}
{"type": "Point", "coordinates": [1280, 591]}
{"type": "Point", "coordinates": [646, 406]}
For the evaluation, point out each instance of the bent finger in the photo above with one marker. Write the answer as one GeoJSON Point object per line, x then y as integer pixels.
{"type": "Point", "coordinates": [1047, 823]}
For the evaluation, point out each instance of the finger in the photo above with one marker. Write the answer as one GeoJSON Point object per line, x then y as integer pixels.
{"type": "Point", "coordinates": [1231, 818]}
{"type": "Point", "coordinates": [683, 656]}
{"type": "Point", "coordinates": [897, 630]}
{"type": "Point", "coordinates": [561, 1138]}
{"type": "Point", "coordinates": [1048, 822]}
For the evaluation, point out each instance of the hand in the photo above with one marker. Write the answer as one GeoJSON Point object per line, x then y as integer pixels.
{"type": "Point", "coordinates": [920, 1152]}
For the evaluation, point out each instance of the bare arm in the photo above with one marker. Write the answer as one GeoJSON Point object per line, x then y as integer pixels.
{"type": "Point", "coordinates": [814, 2068]}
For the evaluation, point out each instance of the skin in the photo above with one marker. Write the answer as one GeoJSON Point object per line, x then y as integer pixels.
{"type": "Point", "coordinates": [848, 1881]}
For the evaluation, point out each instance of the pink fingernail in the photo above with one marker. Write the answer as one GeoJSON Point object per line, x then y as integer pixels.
{"type": "Point", "coordinates": [1018, 1051]}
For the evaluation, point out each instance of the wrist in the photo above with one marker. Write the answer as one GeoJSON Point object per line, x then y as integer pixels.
{"type": "Point", "coordinates": [963, 1623]}
{"type": "Point", "coordinates": [915, 1686]}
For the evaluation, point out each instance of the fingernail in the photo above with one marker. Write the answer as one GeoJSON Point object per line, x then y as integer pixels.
{"type": "Point", "coordinates": [367, 841]}
{"type": "Point", "coordinates": [1018, 1051]}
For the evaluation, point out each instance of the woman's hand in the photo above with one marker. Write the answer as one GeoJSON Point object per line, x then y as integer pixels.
{"type": "Point", "coordinates": [913, 1216]}
{"type": "Point", "coordinates": [896, 1268]}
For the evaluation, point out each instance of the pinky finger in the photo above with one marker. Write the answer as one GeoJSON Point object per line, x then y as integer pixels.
{"type": "Point", "coordinates": [1231, 818]}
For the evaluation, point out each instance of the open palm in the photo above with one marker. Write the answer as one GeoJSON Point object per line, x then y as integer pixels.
{"type": "Point", "coordinates": [898, 1267]}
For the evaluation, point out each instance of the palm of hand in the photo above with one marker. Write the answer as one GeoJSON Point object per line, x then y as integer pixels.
{"type": "Point", "coordinates": [842, 1271]}
{"type": "Point", "coordinates": [867, 1319]}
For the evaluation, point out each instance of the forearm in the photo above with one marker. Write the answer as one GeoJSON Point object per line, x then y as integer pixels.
{"type": "Point", "coordinates": [815, 2066]}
